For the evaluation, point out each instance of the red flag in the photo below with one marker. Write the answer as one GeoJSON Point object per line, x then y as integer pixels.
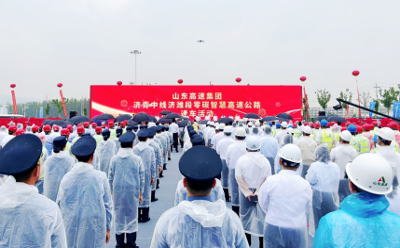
{"type": "Point", "coordinates": [305, 100]}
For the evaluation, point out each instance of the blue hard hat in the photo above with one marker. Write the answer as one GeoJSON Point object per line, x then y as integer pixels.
{"type": "Point", "coordinates": [324, 123]}
{"type": "Point", "coordinates": [290, 126]}
{"type": "Point", "coordinates": [270, 124]}
{"type": "Point", "coordinates": [278, 125]}
{"type": "Point", "coordinates": [352, 128]}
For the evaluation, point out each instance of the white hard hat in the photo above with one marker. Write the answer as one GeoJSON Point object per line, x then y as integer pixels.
{"type": "Point", "coordinates": [250, 124]}
{"type": "Point", "coordinates": [345, 135]}
{"type": "Point", "coordinates": [386, 133]}
{"type": "Point", "coordinates": [228, 129]}
{"type": "Point", "coordinates": [208, 122]}
{"type": "Point", "coordinates": [291, 153]}
{"type": "Point", "coordinates": [240, 132]}
{"type": "Point", "coordinates": [221, 126]}
{"type": "Point", "coordinates": [284, 124]}
{"type": "Point", "coordinates": [253, 143]}
{"type": "Point", "coordinates": [307, 130]}
{"type": "Point", "coordinates": [217, 126]}
{"type": "Point", "coordinates": [257, 123]}
{"type": "Point", "coordinates": [372, 173]}
{"type": "Point", "coordinates": [290, 130]}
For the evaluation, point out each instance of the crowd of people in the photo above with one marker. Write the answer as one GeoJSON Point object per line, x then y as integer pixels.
{"type": "Point", "coordinates": [290, 184]}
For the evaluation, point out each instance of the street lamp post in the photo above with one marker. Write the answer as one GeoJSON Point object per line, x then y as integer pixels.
{"type": "Point", "coordinates": [135, 52]}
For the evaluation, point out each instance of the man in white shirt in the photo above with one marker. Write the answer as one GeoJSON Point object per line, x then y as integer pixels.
{"type": "Point", "coordinates": [174, 129]}
{"type": "Point", "coordinates": [218, 136]}
{"type": "Point", "coordinates": [307, 146]}
{"type": "Point", "coordinates": [221, 149]}
{"type": "Point", "coordinates": [283, 132]}
{"type": "Point", "coordinates": [286, 200]}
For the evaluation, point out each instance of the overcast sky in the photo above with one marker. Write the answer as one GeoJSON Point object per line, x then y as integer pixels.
{"type": "Point", "coordinates": [84, 42]}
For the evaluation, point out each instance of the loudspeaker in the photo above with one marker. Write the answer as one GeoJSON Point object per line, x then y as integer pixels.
{"type": "Point", "coordinates": [72, 114]}
{"type": "Point", "coordinates": [321, 113]}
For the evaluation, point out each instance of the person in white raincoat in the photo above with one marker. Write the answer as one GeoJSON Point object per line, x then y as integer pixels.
{"type": "Point", "coordinates": [286, 199]}
{"type": "Point", "coordinates": [158, 156]}
{"type": "Point", "coordinates": [105, 149]}
{"type": "Point", "coordinates": [126, 178]}
{"type": "Point", "coordinates": [57, 165]}
{"type": "Point", "coordinates": [287, 139]}
{"type": "Point", "coordinates": [27, 219]}
{"type": "Point", "coordinates": [199, 222]}
{"type": "Point", "coordinates": [222, 148]}
{"type": "Point", "coordinates": [186, 140]}
{"type": "Point", "coordinates": [342, 155]}
{"type": "Point", "coordinates": [85, 200]}
{"type": "Point", "coordinates": [210, 134]}
{"type": "Point", "coordinates": [146, 153]}
{"type": "Point", "coordinates": [269, 147]}
{"type": "Point", "coordinates": [323, 176]}
{"type": "Point", "coordinates": [118, 133]}
{"type": "Point", "coordinates": [252, 169]}
{"type": "Point", "coordinates": [234, 152]}
{"type": "Point", "coordinates": [307, 146]}
{"type": "Point", "coordinates": [181, 193]}
{"type": "Point", "coordinates": [164, 144]}
{"type": "Point", "coordinates": [218, 136]}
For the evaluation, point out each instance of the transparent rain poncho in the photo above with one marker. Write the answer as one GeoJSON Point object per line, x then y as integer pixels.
{"type": "Point", "coordinates": [269, 147]}
{"type": "Point", "coordinates": [199, 224]}
{"type": "Point", "coordinates": [222, 148]}
{"type": "Point", "coordinates": [368, 224]}
{"type": "Point", "coordinates": [252, 169]}
{"type": "Point", "coordinates": [286, 139]}
{"type": "Point", "coordinates": [146, 153]}
{"type": "Point", "coordinates": [3, 133]}
{"type": "Point", "coordinates": [55, 168]}
{"type": "Point", "coordinates": [286, 200]}
{"type": "Point", "coordinates": [85, 202]}
{"type": "Point", "coordinates": [127, 177]}
{"type": "Point", "coordinates": [164, 144]}
{"type": "Point", "coordinates": [158, 158]}
{"type": "Point", "coordinates": [323, 176]}
{"type": "Point", "coordinates": [106, 150]}
{"type": "Point", "coordinates": [29, 219]}
{"type": "Point", "coordinates": [234, 152]}
{"type": "Point", "coordinates": [217, 193]}
{"type": "Point", "coordinates": [394, 197]}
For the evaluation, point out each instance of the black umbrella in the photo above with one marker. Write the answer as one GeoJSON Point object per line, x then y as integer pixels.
{"type": "Point", "coordinates": [337, 119]}
{"type": "Point", "coordinates": [142, 117]}
{"type": "Point", "coordinates": [165, 112]}
{"type": "Point", "coordinates": [270, 118]}
{"type": "Point", "coordinates": [252, 116]}
{"type": "Point", "coordinates": [48, 122]}
{"type": "Point", "coordinates": [79, 119]}
{"type": "Point", "coordinates": [320, 118]}
{"type": "Point", "coordinates": [183, 123]}
{"type": "Point", "coordinates": [225, 120]}
{"type": "Point", "coordinates": [124, 117]}
{"type": "Point", "coordinates": [132, 123]}
{"type": "Point", "coordinates": [173, 116]}
{"type": "Point", "coordinates": [165, 120]}
{"type": "Point", "coordinates": [153, 119]}
{"type": "Point", "coordinates": [105, 117]}
{"type": "Point", "coordinates": [59, 123]}
{"type": "Point", "coordinates": [203, 122]}
{"type": "Point", "coordinates": [285, 116]}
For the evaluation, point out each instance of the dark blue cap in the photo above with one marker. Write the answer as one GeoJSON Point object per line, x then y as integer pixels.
{"type": "Point", "coordinates": [59, 143]}
{"type": "Point", "coordinates": [190, 128]}
{"type": "Point", "coordinates": [128, 137]}
{"type": "Point", "coordinates": [143, 126]}
{"type": "Point", "coordinates": [197, 140]}
{"type": "Point", "coordinates": [151, 132]}
{"type": "Point", "coordinates": [105, 133]}
{"type": "Point", "coordinates": [84, 146]}
{"type": "Point", "coordinates": [129, 129]}
{"type": "Point", "coordinates": [166, 128]}
{"type": "Point", "coordinates": [142, 133]}
{"type": "Point", "coordinates": [135, 127]}
{"type": "Point", "coordinates": [200, 163]}
{"type": "Point", "coordinates": [191, 133]}
{"type": "Point", "coordinates": [163, 128]}
{"type": "Point", "coordinates": [159, 128]}
{"type": "Point", "coordinates": [86, 134]}
{"type": "Point", "coordinates": [20, 155]}
{"type": "Point", "coordinates": [118, 132]}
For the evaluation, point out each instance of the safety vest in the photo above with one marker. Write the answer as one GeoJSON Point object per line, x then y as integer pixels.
{"type": "Point", "coordinates": [337, 135]}
{"type": "Point", "coordinates": [98, 138]}
{"type": "Point", "coordinates": [312, 136]}
{"type": "Point", "coordinates": [395, 145]}
{"type": "Point", "coordinates": [297, 133]}
{"type": "Point", "coordinates": [355, 143]}
{"type": "Point", "coordinates": [364, 144]}
{"type": "Point", "coordinates": [327, 138]}
{"type": "Point", "coordinates": [113, 134]}
{"type": "Point", "coordinates": [273, 131]}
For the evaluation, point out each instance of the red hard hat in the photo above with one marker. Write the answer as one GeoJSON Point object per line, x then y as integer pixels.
{"type": "Point", "coordinates": [70, 127]}
{"type": "Point", "coordinates": [393, 125]}
{"type": "Point", "coordinates": [47, 128]}
{"type": "Point", "coordinates": [104, 125]}
{"type": "Point", "coordinates": [98, 130]}
{"type": "Point", "coordinates": [111, 124]}
{"type": "Point", "coordinates": [359, 129]}
{"type": "Point", "coordinates": [375, 123]}
{"type": "Point", "coordinates": [122, 124]}
{"type": "Point", "coordinates": [86, 124]}
{"type": "Point", "coordinates": [343, 129]}
{"type": "Point", "coordinates": [348, 123]}
{"type": "Point", "coordinates": [366, 127]}
{"type": "Point", "coordinates": [56, 128]}
{"type": "Point", "coordinates": [12, 128]}
{"type": "Point", "coordinates": [306, 124]}
{"type": "Point", "coordinates": [35, 129]}
{"type": "Point", "coordinates": [317, 125]}
{"type": "Point", "coordinates": [80, 130]}
{"type": "Point", "coordinates": [94, 124]}
{"type": "Point", "coordinates": [295, 125]}
{"type": "Point", "coordinates": [312, 125]}
{"type": "Point", "coordinates": [79, 125]}
{"type": "Point", "coordinates": [65, 132]}
{"type": "Point", "coordinates": [19, 132]}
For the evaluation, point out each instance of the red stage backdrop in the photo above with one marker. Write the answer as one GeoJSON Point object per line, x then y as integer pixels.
{"type": "Point", "coordinates": [195, 101]}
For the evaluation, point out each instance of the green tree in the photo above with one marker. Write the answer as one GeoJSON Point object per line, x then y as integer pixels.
{"type": "Point", "coordinates": [36, 106]}
{"type": "Point", "coordinates": [47, 110]}
{"type": "Point", "coordinates": [388, 96]}
{"type": "Point", "coordinates": [323, 97]}
{"type": "Point", "coordinates": [59, 105]}
{"type": "Point", "coordinates": [347, 96]}
{"type": "Point", "coordinates": [365, 98]}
